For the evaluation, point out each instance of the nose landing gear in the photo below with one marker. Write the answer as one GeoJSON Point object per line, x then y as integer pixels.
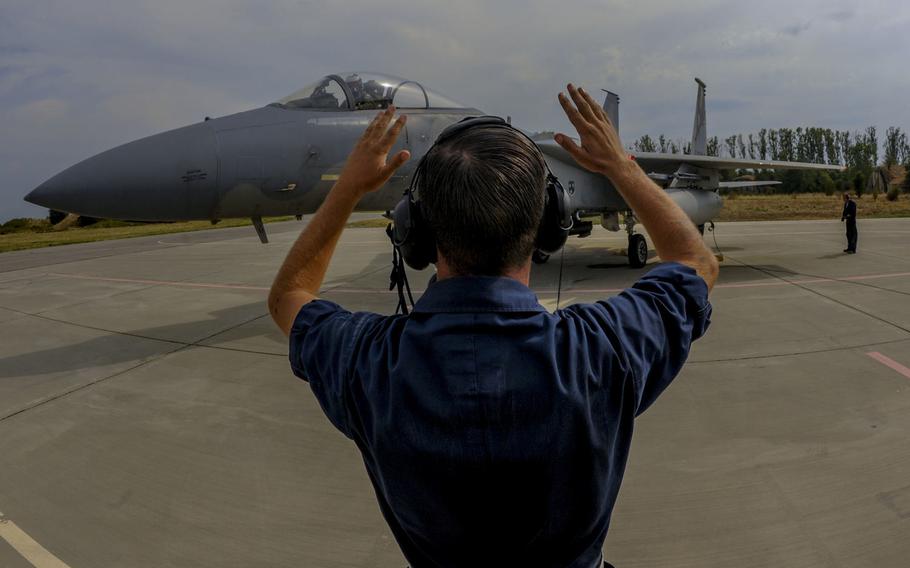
{"type": "Point", "coordinates": [638, 246]}
{"type": "Point", "coordinates": [638, 251]}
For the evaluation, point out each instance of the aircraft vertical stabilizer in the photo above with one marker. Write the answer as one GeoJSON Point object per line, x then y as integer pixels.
{"type": "Point", "coordinates": [700, 128]}
{"type": "Point", "coordinates": [611, 107]}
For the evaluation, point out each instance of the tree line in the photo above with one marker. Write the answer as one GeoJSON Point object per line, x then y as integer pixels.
{"type": "Point", "coordinates": [861, 153]}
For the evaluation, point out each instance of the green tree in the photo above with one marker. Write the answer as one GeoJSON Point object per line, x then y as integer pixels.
{"type": "Point", "coordinates": [895, 141]}
{"type": "Point", "coordinates": [730, 142]}
{"type": "Point", "coordinates": [713, 146]}
{"type": "Point", "coordinates": [645, 144]}
{"type": "Point", "coordinates": [826, 184]}
{"type": "Point", "coordinates": [859, 184]}
{"type": "Point", "coordinates": [872, 141]}
{"type": "Point", "coordinates": [785, 140]}
{"type": "Point", "coordinates": [792, 181]}
{"type": "Point", "coordinates": [846, 143]}
{"type": "Point", "coordinates": [832, 147]}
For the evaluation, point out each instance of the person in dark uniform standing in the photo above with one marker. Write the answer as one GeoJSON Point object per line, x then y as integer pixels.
{"type": "Point", "coordinates": [849, 216]}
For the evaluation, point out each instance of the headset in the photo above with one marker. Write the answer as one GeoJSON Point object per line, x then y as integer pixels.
{"type": "Point", "coordinates": [412, 235]}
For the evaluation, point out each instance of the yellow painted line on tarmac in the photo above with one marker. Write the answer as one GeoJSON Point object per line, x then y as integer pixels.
{"type": "Point", "coordinates": [27, 547]}
{"type": "Point", "coordinates": [330, 177]}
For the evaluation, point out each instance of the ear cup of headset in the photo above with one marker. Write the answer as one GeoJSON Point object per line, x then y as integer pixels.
{"type": "Point", "coordinates": [412, 234]}
{"type": "Point", "coordinates": [556, 221]}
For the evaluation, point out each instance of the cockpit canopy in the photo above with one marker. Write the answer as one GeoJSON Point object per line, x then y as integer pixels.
{"type": "Point", "coordinates": [365, 91]}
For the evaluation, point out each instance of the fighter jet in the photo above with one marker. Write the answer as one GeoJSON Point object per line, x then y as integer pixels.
{"type": "Point", "coordinates": [283, 158]}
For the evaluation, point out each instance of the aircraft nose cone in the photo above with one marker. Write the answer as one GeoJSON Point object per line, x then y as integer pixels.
{"type": "Point", "coordinates": [169, 176]}
{"type": "Point", "coordinates": [43, 195]}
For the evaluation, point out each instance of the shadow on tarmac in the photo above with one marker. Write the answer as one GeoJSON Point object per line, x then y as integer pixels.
{"type": "Point", "coordinates": [122, 346]}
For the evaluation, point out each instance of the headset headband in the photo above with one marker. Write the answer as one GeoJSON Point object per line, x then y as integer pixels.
{"type": "Point", "coordinates": [466, 124]}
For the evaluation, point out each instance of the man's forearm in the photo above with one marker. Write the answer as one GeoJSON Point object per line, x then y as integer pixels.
{"type": "Point", "coordinates": [673, 233]}
{"type": "Point", "coordinates": [367, 169]}
{"type": "Point", "coordinates": [305, 266]}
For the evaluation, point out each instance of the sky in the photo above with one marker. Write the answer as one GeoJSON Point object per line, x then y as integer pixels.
{"type": "Point", "coordinates": [77, 78]}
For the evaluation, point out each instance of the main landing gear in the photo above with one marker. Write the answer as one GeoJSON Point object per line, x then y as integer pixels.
{"type": "Point", "coordinates": [638, 246]}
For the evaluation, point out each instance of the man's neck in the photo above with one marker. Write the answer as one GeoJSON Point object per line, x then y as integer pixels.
{"type": "Point", "coordinates": [521, 273]}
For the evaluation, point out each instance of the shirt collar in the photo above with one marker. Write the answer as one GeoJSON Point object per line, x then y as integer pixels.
{"type": "Point", "coordinates": [466, 294]}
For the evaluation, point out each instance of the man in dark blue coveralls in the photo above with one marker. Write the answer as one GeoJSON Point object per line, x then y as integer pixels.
{"type": "Point", "coordinates": [494, 432]}
{"type": "Point", "coordinates": [849, 215]}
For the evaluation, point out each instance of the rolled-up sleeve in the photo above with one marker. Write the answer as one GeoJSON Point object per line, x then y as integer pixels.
{"type": "Point", "coordinates": [320, 352]}
{"type": "Point", "coordinates": [648, 329]}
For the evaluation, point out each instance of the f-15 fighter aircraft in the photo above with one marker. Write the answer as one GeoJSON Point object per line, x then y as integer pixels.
{"type": "Point", "coordinates": [283, 158]}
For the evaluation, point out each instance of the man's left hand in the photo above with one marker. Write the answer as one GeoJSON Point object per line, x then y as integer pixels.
{"type": "Point", "coordinates": [367, 168]}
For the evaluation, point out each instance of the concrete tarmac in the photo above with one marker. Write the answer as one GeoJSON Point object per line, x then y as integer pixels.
{"type": "Point", "coordinates": [148, 416]}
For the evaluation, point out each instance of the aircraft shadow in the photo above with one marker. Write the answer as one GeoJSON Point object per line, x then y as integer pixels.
{"type": "Point", "coordinates": [116, 348]}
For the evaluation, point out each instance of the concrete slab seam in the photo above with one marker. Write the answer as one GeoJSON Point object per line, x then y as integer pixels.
{"type": "Point", "coordinates": [817, 293]}
{"type": "Point", "coordinates": [77, 388]}
{"type": "Point", "coordinates": [159, 339]}
{"type": "Point", "coordinates": [796, 353]}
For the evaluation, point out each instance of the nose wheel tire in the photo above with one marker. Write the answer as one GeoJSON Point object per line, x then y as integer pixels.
{"type": "Point", "coordinates": [638, 251]}
{"type": "Point", "coordinates": [539, 257]}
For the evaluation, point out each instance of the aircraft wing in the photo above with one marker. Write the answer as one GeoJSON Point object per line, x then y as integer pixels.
{"type": "Point", "coordinates": [671, 162]}
{"type": "Point", "coordinates": [744, 184]}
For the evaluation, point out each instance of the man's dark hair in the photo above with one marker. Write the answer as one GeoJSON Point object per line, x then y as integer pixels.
{"type": "Point", "coordinates": [483, 195]}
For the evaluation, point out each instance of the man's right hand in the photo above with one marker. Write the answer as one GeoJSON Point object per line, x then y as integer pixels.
{"type": "Point", "coordinates": [600, 150]}
{"type": "Point", "coordinates": [675, 236]}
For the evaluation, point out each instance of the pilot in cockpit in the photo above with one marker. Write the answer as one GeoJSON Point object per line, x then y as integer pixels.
{"type": "Point", "coordinates": [355, 84]}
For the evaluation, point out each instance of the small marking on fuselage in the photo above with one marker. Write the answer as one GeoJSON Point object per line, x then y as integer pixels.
{"type": "Point", "coordinates": [194, 175]}
{"type": "Point", "coordinates": [330, 177]}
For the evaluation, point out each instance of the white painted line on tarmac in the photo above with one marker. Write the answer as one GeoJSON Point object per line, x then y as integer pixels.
{"type": "Point", "coordinates": [27, 547]}
{"type": "Point", "coordinates": [889, 362]}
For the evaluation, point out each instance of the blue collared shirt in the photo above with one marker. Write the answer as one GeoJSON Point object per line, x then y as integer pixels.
{"type": "Point", "coordinates": [494, 432]}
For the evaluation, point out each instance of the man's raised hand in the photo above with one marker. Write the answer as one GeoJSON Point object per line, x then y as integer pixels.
{"type": "Point", "coordinates": [367, 168]}
{"type": "Point", "coordinates": [600, 149]}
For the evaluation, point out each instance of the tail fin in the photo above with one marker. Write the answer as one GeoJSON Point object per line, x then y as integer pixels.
{"type": "Point", "coordinates": [611, 107]}
{"type": "Point", "coordinates": [700, 129]}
